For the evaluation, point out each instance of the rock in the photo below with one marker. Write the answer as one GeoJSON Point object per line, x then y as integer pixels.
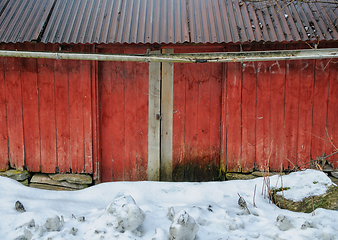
{"type": "Point", "coordinates": [307, 225]}
{"type": "Point", "coordinates": [72, 178]}
{"type": "Point", "coordinates": [53, 224]}
{"type": "Point", "coordinates": [128, 215]}
{"type": "Point", "coordinates": [283, 223]}
{"type": "Point", "coordinates": [73, 231]}
{"type": "Point", "coordinates": [242, 203]}
{"type": "Point", "coordinates": [28, 235]}
{"type": "Point", "coordinates": [29, 224]}
{"type": "Point", "coordinates": [24, 182]}
{"type": "Point", "coordinates": [19, 207]}
{"type": "Point", "coordinates": [45, 179]}
{"type": "Point", "coordinates": [183, 227]}
{"type": "Point", "coordinates": [329, 201]}
{"type": "Point", "coordinates": [334, 174]}
{"type": "Point", "coordinates": [40, 230]}
{"type": "Point", "coordinates": [15, 174]}
{"type": "Point", "coordinates": [239, 176]}
{"type": "Point", "coordinates": [264, 174]}
{"type": "Point", "coordinates": [50, 187]}
{"type": "Point", "coordinates": [171, 213]}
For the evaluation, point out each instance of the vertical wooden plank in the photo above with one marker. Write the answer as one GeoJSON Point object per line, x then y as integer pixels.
{"type": "Point", "coordinates": [305, 111]}
{"type": "Point", "coordinates": [203, 120]}
{"type": "Point", "coordinates": [249, 116]}
{"type": "Point", "coordinates": [153, 121]}
{"type": "Point", "coordinates": [106, 123]}
{"type": "Point", "coordinates": [277, 86]}
{"type": "Point", "coordinates": [119, 75]}
{"type": "Point", "coordinates": [320, 100]}
{"type": "Point", "coordinates": [76, 114]}
{"type": "Point", "coordinates": [29, 76]}
{"type": "Point", "coordinates": [142, 79]}
{"type": "Point", "coordinates": [292, 82]}
{"type": "Point", "coordinates": [191, 120]}
{"type": "Point", "coordinates": [332, 119]}
{"type": "Point", "coordinates": [263, 140]}
{"type": "Point", "coordinates": [167, 118]}
{"type": "Point", "coordinates": [14, 111]}
{"type": "Point", "coordinates": [179, 92]}
{"type": "Point", "coordinates": [97, 163]}
{"type": "Point", "coordinates": [62, 115]}
{"type": "Point", "coordinates": [234, 117]}
{"type": "Point", "coordinates": [224, 124]}
{"type": "Point", "coordinates": [46, 83]}
{"type": "Point", "coordinates": [215, 76]}
{"type": "Point", "coordinates": [130, 116]}
{"type": "Point", "coordinates": [86, 75]}
{"type": "Point", "coordinates": [4, 160]}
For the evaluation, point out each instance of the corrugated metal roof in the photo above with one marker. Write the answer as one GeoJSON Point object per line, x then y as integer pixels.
{"type": "Point", "coordinates": [166, 21]}
{"type": "Point", "coordinates": [22, 21]}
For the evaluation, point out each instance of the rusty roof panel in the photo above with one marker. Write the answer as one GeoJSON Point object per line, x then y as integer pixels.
{"type": "Point", "coordinates": [166, 21]}
{"type": "Point", "coordinates": [23, 20]}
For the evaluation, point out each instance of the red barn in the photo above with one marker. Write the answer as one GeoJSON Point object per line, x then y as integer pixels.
{"type": "Point", "coordinates": [167, 90]}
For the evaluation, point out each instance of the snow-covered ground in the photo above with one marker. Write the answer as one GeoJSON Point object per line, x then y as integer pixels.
{"type": "Point", "coordinates": [151, 210]}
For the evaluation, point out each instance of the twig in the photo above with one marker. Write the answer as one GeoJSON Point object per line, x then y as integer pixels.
{"type": "Point", "coordinates": [244, 202]}
{"type": "Point", "coordinates": [285, 6]}
{"type": "Point", "coordinates": [294, 166]}
{"type": "Point", "coordinates": [328, 136]}
{"type": "Point", "coordinates": [317, 136]}
{"type": "Point", "coordinates": [254, 196]}
{"type": "Point", "coordinates": [281, 182]}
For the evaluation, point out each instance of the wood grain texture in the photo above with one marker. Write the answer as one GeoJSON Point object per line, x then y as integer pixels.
{"type": "Point", "coordinates": [14, 111]}
{"type": "Point", "coordinates": [305, 111]}
{"type": "Point", "coordinates": [263, 139]}
{"type": "Point", "coordinates": [332, 118]}
{"type": "Point", "coordinates": [154, 123]}
{"type": "Point", "coordinates": [4, 162]}
{"type": "Point", "coordinates": [62, 115]}
{"type": "Point", "coordinates": [234, 117]}
{"type": "Point", "coordinates": [167, 119]}
{"type": "Point", "coordinates": [179, 121]}
{"type": "Point", "coordinates": [46, 81]}
{"type": "Point", "coordinates": [320, 103]}
{"type": "Point", "coordinates": [30, 97]}
{"type": "Point", "coordinates": [277, 86]}
{"type": "Point", "coordinates": [249, 116]}
{"type": "Point", "coordinates": [292, 80]}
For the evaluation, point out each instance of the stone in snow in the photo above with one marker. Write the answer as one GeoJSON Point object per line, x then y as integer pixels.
{"type": "Point", "coordinates": [128, 215]}
{"type": "Point", "coordinates": [54, 224]}
{"type": "Point", "coordinates": [183, 227]}
{"type": "Point", "coordinates": [19, 207]}
{"type": "Point", "coordinates": [283, 223]}
{"type": "Point", "coordinates": [171, 213]}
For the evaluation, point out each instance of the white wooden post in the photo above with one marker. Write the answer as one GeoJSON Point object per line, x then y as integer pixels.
{"type": "Point", "coordinates": [154, 122]}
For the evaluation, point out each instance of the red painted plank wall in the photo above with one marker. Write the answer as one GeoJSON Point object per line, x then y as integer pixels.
{"type": "Point", "coordinates": [123, 93]}
{"type": "Point", "coordinates": [46, 112]}
{"type": "Point", "coordinates": [276, 114]}
{"type": "Point", "coordinates": [67, 115]}
{"type": "Point", "coordinates": [197, 119]}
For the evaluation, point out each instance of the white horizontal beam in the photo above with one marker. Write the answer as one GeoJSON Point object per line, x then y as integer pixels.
{"type": "Point", "coordinates": [184, 57]}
